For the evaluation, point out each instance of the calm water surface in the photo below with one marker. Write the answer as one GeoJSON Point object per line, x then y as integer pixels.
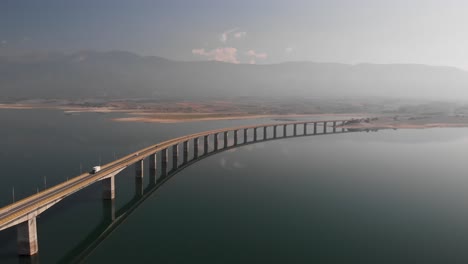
{"type": "Point", "coordinates": [385, 197]}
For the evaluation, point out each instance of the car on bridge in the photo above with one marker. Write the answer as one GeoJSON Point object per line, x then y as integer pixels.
{"type": "Point", "coordinates": [95, 169]}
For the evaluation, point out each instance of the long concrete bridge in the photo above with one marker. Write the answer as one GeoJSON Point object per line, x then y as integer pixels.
{"type": "Point", "coordinates": [23, 213]}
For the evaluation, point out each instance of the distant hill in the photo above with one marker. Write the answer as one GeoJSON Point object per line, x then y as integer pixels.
{"type": "Point", "coordinates": [120, 74]}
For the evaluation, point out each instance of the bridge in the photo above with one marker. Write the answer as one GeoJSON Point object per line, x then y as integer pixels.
{"type": "Point", "coordinates": [23, 213]}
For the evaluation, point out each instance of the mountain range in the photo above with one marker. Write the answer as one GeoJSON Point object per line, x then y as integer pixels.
{"type": "Point", "coordinates": [119, 74]}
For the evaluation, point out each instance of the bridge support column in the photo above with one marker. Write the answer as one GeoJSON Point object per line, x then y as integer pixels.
{"type": "Point", "coordinates": [255, 134]}
{"type": "Point", "coordinates": [153, 177]}
{"type": "Point", "coordinates": [139, 169]}
{"type": "Point", "coordinates": [226, 139]}
{"type": "Point", "coordinates": [108, 188]}
{"type": "Point", "coordinates": [235, 137]}
{"type": "Point", "coordinates": [334, 126]}
{"type": "Point", "coordinates": [324, 127]}
{"type": "Point", "coordinates": [342, 126]}
{"type": "Point", "coordinates": [108, 210]}
{"type": "Point", "coordinates": [215, 141]}
{"type": "Point", "coordinates": [285, 132]}
{"type": "Point", "coordinates": [295, 129]}
{"type": "Point", "coordinates": [139, 190]}
{"type": "Point", "coordinates": [315, 128]}
{"type": "Point", "coordinates": [205, 145]}
{"type": "Point", "coordinates": [175, 156]}
{"type": "Point", "coordinates": [305, 129]}
{"type": "Point", "coordinates": [186, 150]}
{"type": "Point", "coordinates": [27, 238]}
{"type": "Point", "coordinates": [245, 135]}
{"type": "Point", "coordinates": [152, 162]}
{"type": "Point", "coordinates": [195, 148]}
{"type": "Point", "coordinates": [274, 131]}
{"type": "Point", "coordinates": [164, 161]}
{"type": "Point", "coordinates": [265, 133]}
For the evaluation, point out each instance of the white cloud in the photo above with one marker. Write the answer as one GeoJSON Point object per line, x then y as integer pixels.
{"type": "Point", "coordinates": [227, 54]}
{"type": "Point", "coordinates": [240, 34]}
{"type": "Point", "coordinates": [254, 55]}
{"type": "Point", "coordinates": [198, 51]}
{"type": "Point", "coordinates": [224, 36]}
{"type": "Point", "coordinates": [232, 33]}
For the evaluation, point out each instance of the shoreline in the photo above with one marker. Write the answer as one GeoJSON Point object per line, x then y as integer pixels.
{"type": "Point", "coordinates": [409, 123]}
{"type": "Point", "coordinates": [146, 115]}
{"type": "Point", "coordinates": [198, 117]}
{"type": "Point", "coordinates": [405, 126]}
{"type": "Point", "coordinates": [155, 116]}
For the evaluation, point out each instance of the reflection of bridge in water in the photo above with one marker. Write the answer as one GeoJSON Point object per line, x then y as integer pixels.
{"type": "Point", "coordinates": [24, 212]}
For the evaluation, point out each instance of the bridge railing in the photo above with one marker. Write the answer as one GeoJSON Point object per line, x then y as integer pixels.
{"type": "Point", "coordinates": [23, 213]}
{"type": "Point", "coordinates": [143, 153]}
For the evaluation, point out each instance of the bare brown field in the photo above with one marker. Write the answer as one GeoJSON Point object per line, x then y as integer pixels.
{"type": "Point", "coordinates": [194, 117]}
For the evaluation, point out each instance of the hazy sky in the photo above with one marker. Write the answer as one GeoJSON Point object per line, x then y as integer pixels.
{"type": "Point", "coordinates": [245, 31]}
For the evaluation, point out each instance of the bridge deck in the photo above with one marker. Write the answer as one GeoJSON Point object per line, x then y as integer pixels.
{"type": "Point", "coordinates": [23, 207]}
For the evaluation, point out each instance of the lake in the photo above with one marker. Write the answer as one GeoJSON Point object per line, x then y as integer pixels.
{"type": "Point", "coordinates": [392, 196]}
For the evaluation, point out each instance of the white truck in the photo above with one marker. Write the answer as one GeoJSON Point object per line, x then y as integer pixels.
{"type": "Point", "coordinates": [95, 169]}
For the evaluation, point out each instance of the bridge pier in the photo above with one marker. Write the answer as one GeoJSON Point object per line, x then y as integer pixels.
{"type": "Point", "coordinates": [24, 215]}
{"type": "Point", "coordinates": [175, 156]}
{"type": "Point", "coordinates": [139, 190]}
{"type": "Point", "coordinates": [205, 144]}
{"type": "Point", "coordinates": [108, 210]}
{"type": "Point", "coordinates": [164, 161]}
{"type": "Point", "coordinates": [27, 237]}
{"type": "Point", "coordinates": [195, 148]}
{"type": "Point", "coordinates": [215, 139]}
{"type": "Point", "coordinates": [139, 169]}
{"type": "Point", "coordinates": [225, 139]}
{"type": "Point", "coordinates": [153, 177]}
{"type": "Point", "coordinates": [108, 188]}
{"type": "Point", "coordinates": [152, 162]}
{"type": "Point", "coordinates": [186, 150]}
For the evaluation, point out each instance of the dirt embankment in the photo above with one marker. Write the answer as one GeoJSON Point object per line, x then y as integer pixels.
{"type": "Point", "coordinates": [408, 122]}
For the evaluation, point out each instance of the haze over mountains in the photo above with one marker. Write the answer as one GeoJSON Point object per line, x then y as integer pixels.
{"type": "Point", "coordinates": [120, 74]}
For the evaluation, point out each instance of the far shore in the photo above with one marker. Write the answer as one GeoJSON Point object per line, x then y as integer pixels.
{"type": "Point", "coordinates": [405, 126]}
{"type": "Point", "coordinates": [196, 117]}
{"type": "Point", "coordinates": [154, 115]}
{"type": "Point", "coordinates": [16, 106]}
{"type": "Point", "coordinates": [411, 122]}
{"type": "Point", "coordinates": [69, 109]}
